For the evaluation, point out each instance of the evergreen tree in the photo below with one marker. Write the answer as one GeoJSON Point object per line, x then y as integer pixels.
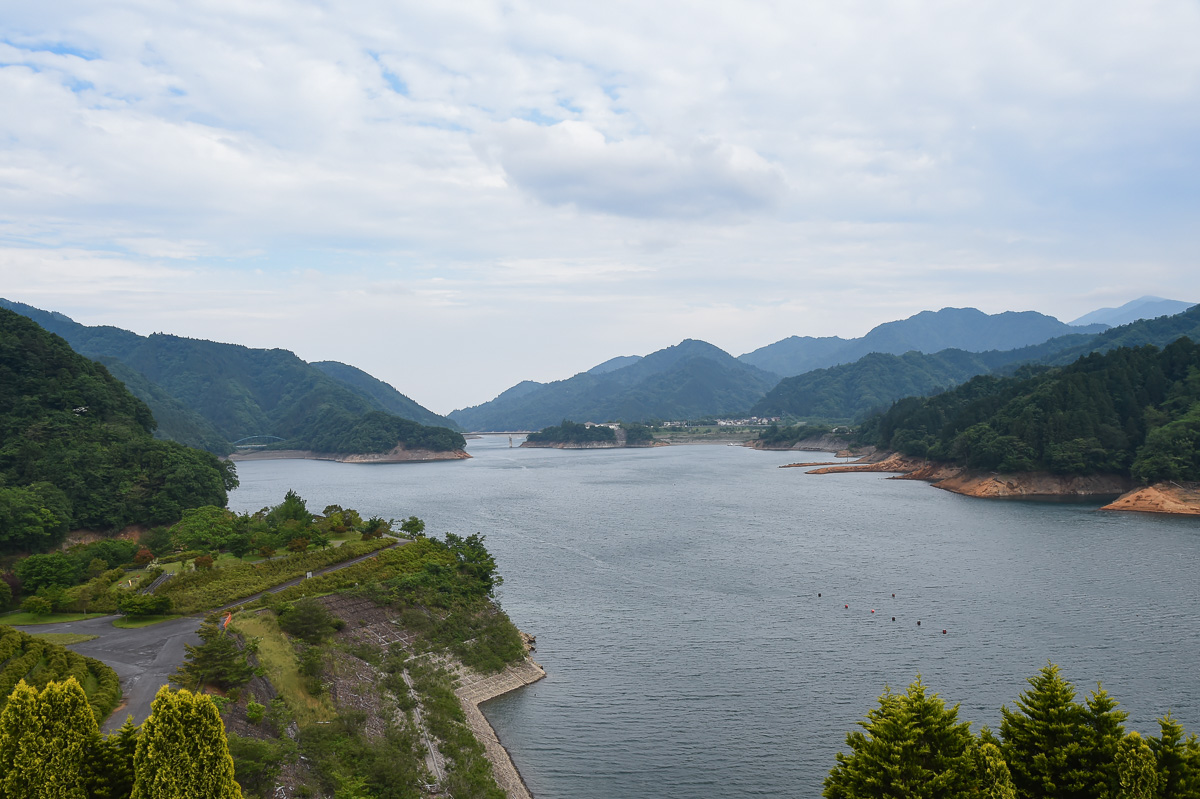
{"type": "Point", "coordinates": [1104, 733]}
{"type": "Point", "coordinates": [108, 768]}
{"type": "Point", "coordinates": [182, 752]}
{"type": "Point", "coordinates": [1043, 739]}
{"type": "Point", "coordinates": [995, 779]}
{"type": "Point", "coordinates": [1137, 773]}
{"type": "Point", "coordinates": [1178, 760]}
{"type": "Point", "coordinates": [43, 739]}
{"type": "Point", "coordinates": [217, 661]}
{"type": "Point", "coordinates": [913, 747]}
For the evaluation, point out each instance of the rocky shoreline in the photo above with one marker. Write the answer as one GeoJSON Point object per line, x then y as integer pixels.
{"type": "Point", "coordinates": [397, 455]}
{"type": "Point", "coordinates": [1159, 498]}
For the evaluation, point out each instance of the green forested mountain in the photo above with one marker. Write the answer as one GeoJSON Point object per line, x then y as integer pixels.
{"type": "Point", "coordinates": [76, 448]}
{"type": "Point", "coordinates": [1132, 411]}
{"type": "Point", "coordinates": [929, 331]}
{"type": "Point", "coordinates": [850, 392]}
{"type": "Point", "coordinates": [237, 391]}
{"type": "Point", "coordinates": [386, 397]}
{"type": "Point", "coordinates": [690, 380]}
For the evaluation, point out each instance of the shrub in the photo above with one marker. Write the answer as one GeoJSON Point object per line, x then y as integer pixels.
{"type": "Point", "coordinates": [143, 557]}
{"type": "Point", "coordinates": [38, 606]}
{"type": "Point", "coordinates": [202, 563]}
{"type": "Point", "coordinates": [298, 545]}
{"type": "Point", "coordinates": [255, 712]}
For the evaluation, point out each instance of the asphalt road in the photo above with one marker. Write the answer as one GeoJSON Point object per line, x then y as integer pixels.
{"type": "Point", "coordinates": [144, 658]}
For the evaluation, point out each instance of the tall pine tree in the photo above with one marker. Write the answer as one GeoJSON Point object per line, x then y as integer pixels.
{"type": "Point", "coordinates": [1178, 760]}
{"type": "Point", "coordinates": [913, 747]}
{"type": "Point", "coordinates": [1044, 740]}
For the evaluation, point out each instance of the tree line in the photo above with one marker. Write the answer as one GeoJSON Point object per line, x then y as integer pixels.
{"type": "Point", "coordinates": [1050, 746]}
{"type": "Point", "coordinates": [1130, 411]}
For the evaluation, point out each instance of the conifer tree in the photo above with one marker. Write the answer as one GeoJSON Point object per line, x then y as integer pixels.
{"type": "Point", "coordinates": [109, 765]}
{"type": "Point", "coordinates": [1104, 733]}
{"type": "Point", "coordinates": [1138, 776]}
{"type": "Point", "coordinates": [1043, 739]}
{"type": "Point", "coordinates": [1178, 760]}
{"type": "Point", "coordinates": [913, 746]}
{"type": "Point", "coordinates": [217, 661]}
{"type": "Point", "coordinates": [43, 739]}
{"type": "Point", "coordinates": [182, 752]}
{"type": "Point", "coordinates": [995, 779]}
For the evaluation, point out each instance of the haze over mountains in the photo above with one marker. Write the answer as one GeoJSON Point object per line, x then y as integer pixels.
{"type": "Point", "coordinates": [924, 354]}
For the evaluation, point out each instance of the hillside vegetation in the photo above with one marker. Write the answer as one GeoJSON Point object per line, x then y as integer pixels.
{"type": "Point", "coordinates": [691, 380]}
{"type": "Point", "coordinates": [1128, 411]}
{"type": "Point", "coordinates": [76, 448]}
{"type": "Point", "coordinates": [37, 662]}
{"type": "Point", "coordinates": [235, 391]}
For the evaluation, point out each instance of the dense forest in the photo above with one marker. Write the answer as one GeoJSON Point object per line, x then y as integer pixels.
{"type": "Point", "coordinates": [207, 394]}
{"type": "Point", "coordinates": [332, 430]}
{"type": "Point", "coordinates": [1132, 411]}
{"type": "Point", "coordinates": [76, 448]}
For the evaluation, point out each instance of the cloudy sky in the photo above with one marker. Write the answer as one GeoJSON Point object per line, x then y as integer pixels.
{"type": "Point", "coordinates": [458, 196]}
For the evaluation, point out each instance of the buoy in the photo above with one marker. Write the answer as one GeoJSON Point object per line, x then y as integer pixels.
{"type": "Point", "coordinates": [893, 596]}
{"type": "Point", "coordinates": [818, 594]}
{"type": "Point", "coordinates": [847, 607]}
{"type": "Point", "coordinates": [872, 610]}
{"type": "Point", "coordinates": [918, 624]}
{"type": "Point", "coordinates": [943, 632]}
{"type": "Point", "coordinates": [893, 618]}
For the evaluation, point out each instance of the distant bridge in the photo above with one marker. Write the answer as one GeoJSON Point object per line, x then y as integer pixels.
{"type": "Point", "coordinates": [255, 442]}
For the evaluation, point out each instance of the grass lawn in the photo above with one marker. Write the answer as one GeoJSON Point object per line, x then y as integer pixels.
{"type": "Point", "coordinates": [65, 639]}
{"type": "Point", "coordinates": [278, 657]}
{"type": "Point", "coordinates": [21, 617]}
{"type": "Point", "coordinates": [134, 622]}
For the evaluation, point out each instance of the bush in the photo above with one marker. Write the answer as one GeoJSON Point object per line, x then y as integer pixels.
{"type": "Point", "coordinates": [308, 620]}
{"type": "Point", "coordinates": [203, 563]}
{"type": "Point", "coordinates": [144, 605]}
{"type": "Point", "coordinates": [298, 545]}
{"type": "Point", "coordinates": [255, 712]}
{"type": "Point", "coordinates": [143, 557]}
{"type": "Point", "coordinates": [36, 605]}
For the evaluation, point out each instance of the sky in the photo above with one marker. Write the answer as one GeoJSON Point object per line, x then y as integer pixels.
{"type": "Point", "coordinates": [459, 196]}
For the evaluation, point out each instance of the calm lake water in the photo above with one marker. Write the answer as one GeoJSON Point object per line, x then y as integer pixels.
{"type": "Point", "coordinates": [674, 596]}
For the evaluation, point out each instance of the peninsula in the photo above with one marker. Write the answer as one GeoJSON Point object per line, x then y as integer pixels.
{"type": "Point", "coordinates": [573, 435]}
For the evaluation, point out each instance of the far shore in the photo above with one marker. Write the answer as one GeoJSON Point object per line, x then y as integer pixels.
{"type": "Point", "coordinates": [397, 455]}
{"type": "Point", "coordinates": [1167, 497]}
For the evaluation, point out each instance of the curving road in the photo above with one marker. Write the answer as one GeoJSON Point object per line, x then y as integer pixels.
{"type": "Point", "coordinates": [146, 657]}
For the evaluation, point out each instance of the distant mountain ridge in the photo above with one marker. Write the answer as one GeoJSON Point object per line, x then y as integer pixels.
{"type": "Point", "coordinates": [1142, 308]}
{"type": "Point", "coordinates": [966, 329]}
{"type": "Point", "coordinates": [689, 380]}
{"type": "Point", "coordinates": [852, 391]}
{"type": "Point", "coordinates": [204, 388]}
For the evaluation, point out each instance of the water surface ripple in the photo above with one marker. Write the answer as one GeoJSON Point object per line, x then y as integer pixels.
{"type": "Point", "coordinates": [674, 595]}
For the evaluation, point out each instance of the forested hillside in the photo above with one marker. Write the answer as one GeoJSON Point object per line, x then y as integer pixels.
{"type": "Point", "coordinates": [693, 379]}
{"type": "Point", "coordinates": [76, 448]}
{"type": "Point", "coordinates": [1131, 411]}
{"type": "Point", "coordinates": [231, 390]}
{"type": "Point", "coordinates": [387, 397]}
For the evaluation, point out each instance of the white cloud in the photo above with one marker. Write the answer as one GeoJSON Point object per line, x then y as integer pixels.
{"type": "Point", "coordinates": [570, 183]}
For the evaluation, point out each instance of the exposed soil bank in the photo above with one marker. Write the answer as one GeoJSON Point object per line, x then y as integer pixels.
{"type": "Point", "coordinates": [397, 455]}
{"type": "Point", "coordinates": [1161, 498]}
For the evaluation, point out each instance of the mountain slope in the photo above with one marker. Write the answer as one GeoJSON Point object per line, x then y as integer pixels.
{"type": "Point", "coordinates": [689, 380]}
{"type": "Point", "coordinates": [1141, 308]}
{"type": "Point", "coordinates": [929, 331]}
{"type": "Point", "coordinates": [385, 396]}
{"type": "Point", "coordinates": [852, 391]}
{"type": "Point", "coordinates": [76, 448]}
{"type": "Point", "coordinates": [238, 390]}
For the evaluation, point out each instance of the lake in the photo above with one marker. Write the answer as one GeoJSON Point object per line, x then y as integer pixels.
{"type": "Point", "coordinates": [689, 604]}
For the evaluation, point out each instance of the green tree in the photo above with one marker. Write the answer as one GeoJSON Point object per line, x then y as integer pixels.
{"type": "Point", "coordinates": [108, 768]}
{"type": "Point", "coordinates": [182, 752]}
{"type": "Point", "coordinates": [1138, 776]}
{"type": "Point", "coordinates": [913, 746]}
{"type": "Point", "coordinates": [40, 571]}
{"type": "Point", "coordinates": [1103, 732]}
{"type": "Point", "coordinates": [375, 527]}
{"type": "Point", "coordinates": [37, 606]}
{"type": "Point", "coordinates": [1044, 739]}
{"type": "Point", "coordinates": [204, 528]}
{"type": "Point", "coordinates": [1178, 760]}
{"type": "Point", "coordinates": [308, 620]}
{"type": "Point", "coordinates": [293, 508]}
{"type": "Point", "coordinates": [217, 661]}
{"type": "Point", "coordinates": [412, 527]}
{"type": "Point", "coordinates": [995, 779]}
{"type": "Point", "coordinates": [6, 595]}
{"type": "Point", "coordinates": [43, 739]}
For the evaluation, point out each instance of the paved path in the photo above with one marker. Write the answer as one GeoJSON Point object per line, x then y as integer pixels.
{"type": "Point", "coordinates": [144, 658]}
